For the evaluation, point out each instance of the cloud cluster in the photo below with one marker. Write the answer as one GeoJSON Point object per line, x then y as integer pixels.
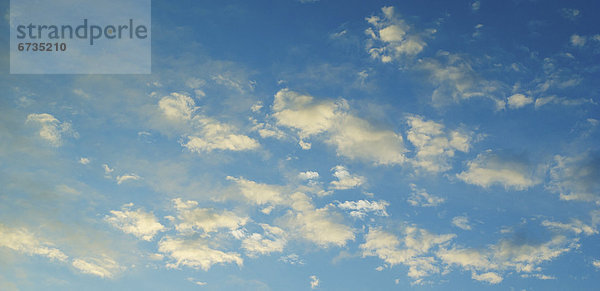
{"type": "Point", "coordinates": [353, 137]}
{"type": "Point", "coordinates": [391, 38]}
{"type": "Point", "coordinates": [201, 133]}
{"type": "Point", "coordinates": [51, 129]}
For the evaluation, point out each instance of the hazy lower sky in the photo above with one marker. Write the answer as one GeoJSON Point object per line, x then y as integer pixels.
{"type": "Point", "coordinates": [327, 145]}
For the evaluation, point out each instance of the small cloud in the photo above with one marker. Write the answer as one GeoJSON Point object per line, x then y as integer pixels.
{"type": "Point", "coordinates": [475, 6]}
{"type": "Point", "coordinates": [489, 277]}
{"type": "Point", "coordinates": [345, 179]}
{"type": "Point", "coordinates": [570, 13]}
{"type": "Point", "coordinates": [314, 282]}
{"type": "Point", "coordinates": [199, 283]}
{"type": "Point", "coordinates": [578, 40]}
{"type": "Point", "coordinates": [51, 129]}
{"type": "Point", "coordinates": [127, 177]}
{"type": "Point", "coordinates": [308, 175]}
{"type": "Point", "coordinates": [292, 259]}
{"type": "Point", "coordinates": [84, 161]}
{"type": "Point", "coordinates": [519, 100]}
{"type": "Point", "coordinates": [107, 169]}
{"type": "Point", "coordinates": [596, 263]}
{"type": "Point", "coordinates": [420, 197]}
{"type": "Point", "coordinates": [461, 222]}
{"type": "Point", "coordinates": [104, 267]}
{"type": "Point", "coordinates": [360, 208]}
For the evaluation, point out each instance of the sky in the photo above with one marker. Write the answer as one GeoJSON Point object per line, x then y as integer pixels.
{"type": "Point", "coordinates": [326, 145]}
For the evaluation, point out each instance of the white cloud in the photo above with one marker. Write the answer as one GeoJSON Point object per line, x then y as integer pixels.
{"type": "Point", "coordinates": [518, 256]}
{"type": "Point", "coordinates": [596, 263]}
{"type": "Point", "coordinates": [143, 225]}
{"type": "Point", "coordinates": [361, 208]}
{"type": "Point", "coordinates": [353, 137]}
{"type": "Point", "coordinates": [314, 282]}
{"type": "Point", "coordinates": [576, 226]}
{"type": "Point", "coordinates": [127, 177]}
{"type": "Point", "coordinates": [475, 6]}
{"type": "Point", "coordinates": [51, 129]}
{"type": "Point", "coordinates": [489, 277]}
{"type": "Point", "coordinates": [195, 254]}
{"type": "Point", "coordinates": [538, 276]}
{"type": "Point", "coordinates": [345, 180]}
{"type": "Point", "coordinates": [107, 169]}
{"type": "Point", "coordinates": [578, 40]}
{"type": "Point", "coordinates": [413, 250]}
{"type": "Point", "coordinates": [308, 175]}
{"type": "Point", "coordinates": [191, 217]}
{"type": "Point", "coordinates": [576, 178]}
{"type": "Point", "coordinates": [391, 38]}
{"type": "Point", "coordinates": [104, 267]}
{"type": "Point", "coordinates": [542, 101]}
{"type": "Point", "coordinates": [23, 241]}
{"type": "Point", "coordinates": [273, 240]}
{"type": "Point", "coordinates": [292, 259]}
{"type": "Point", "coordinates": [320, 226]}
{"type": "Point", "coordinates": [456, 80]}
{"type": "Point", "coordinates": [84, 161]}
{"type": "Point", "coordinates": [218, 136]}
{"type": "Point", "coordinates": [199, 283]}
{"type": "Point", "coordinates": [434, 147]}
{"type": "Point", "coordinates": [461, 222]}
{"type": "Point", "coordinates": [177, 107]}
{"type": "Point", "coordinates": [420, 197]}
{"type": "Point", "coordinates": [258, 193]}
{"type": "Point", "coordinates": [519, 100]}
{"type": "Point", "coordinates": [201, 133]}
{"type": "Point", "coordinates": [491, 169]}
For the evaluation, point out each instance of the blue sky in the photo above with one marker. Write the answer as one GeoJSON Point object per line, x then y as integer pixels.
{"type": "Point", "coordinates": [327, 145]}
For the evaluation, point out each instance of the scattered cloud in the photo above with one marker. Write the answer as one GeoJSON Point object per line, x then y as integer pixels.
{"type": "Point", "coordinates": [292, 259]}
{"type": "Point", "coordinates": [361, 208]}
{"type": "Point", "coordinates": [345, 180]}
{"type": "Point", "coordinates": [461, 222]}
{"type": "Point", "coordinates": [489, 169]}
{"type": "Point", "coordinates": [51, 129]}
{"type": "Point", "coordinates": [352, 136]}
{"type": "Point", "coordinates": [434, 147]}
{"type": "Point", "coordinates": [104, 267]}
{"type": "Point", "coordinates": [318, 225]}
{"type": "Point", "coordinates": [314, 282]}
{"type": "Point", "coordinates": [519, 100]}
{"type": "Point", "coordinates": [143, 225]}
{"type": "Point", "coordinates": [84, 161]}
{"type": "Point", "coordinates": [272, 240]}
{"type": "Point", "coordinates": [391, 38]}
{"type": "Point", "coordinates": [489, 277]}
{"type": "Point", "coordinates": [456, 80]}
{"type": "Point", "coordinates": [475, 6]}
{"type": "Point", "coordinates": [576, 177]}
{"type": "Point", "coordinates": [576, 226]}
{"type": "Point", "coordinates": [192, 218]}
{"type": "Point", "coordinates": [420, 197]}
{"type": "Point", "coordinates": [570, 13]}
{"type": "Point", "coordinates": [127, 177]}
{"type": "Point", "coordinates": [578, 40]}
{"type": "Point", "coordinates": [195, 253]}
{"type": "Point", "coordinates": [308, 175]}
{"type": "Point", "coordinates": [23, 241]}
{"type": "Point", "coordinates": [258, 193]}
{"type": "Point", "coordinates": [413, 250]}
